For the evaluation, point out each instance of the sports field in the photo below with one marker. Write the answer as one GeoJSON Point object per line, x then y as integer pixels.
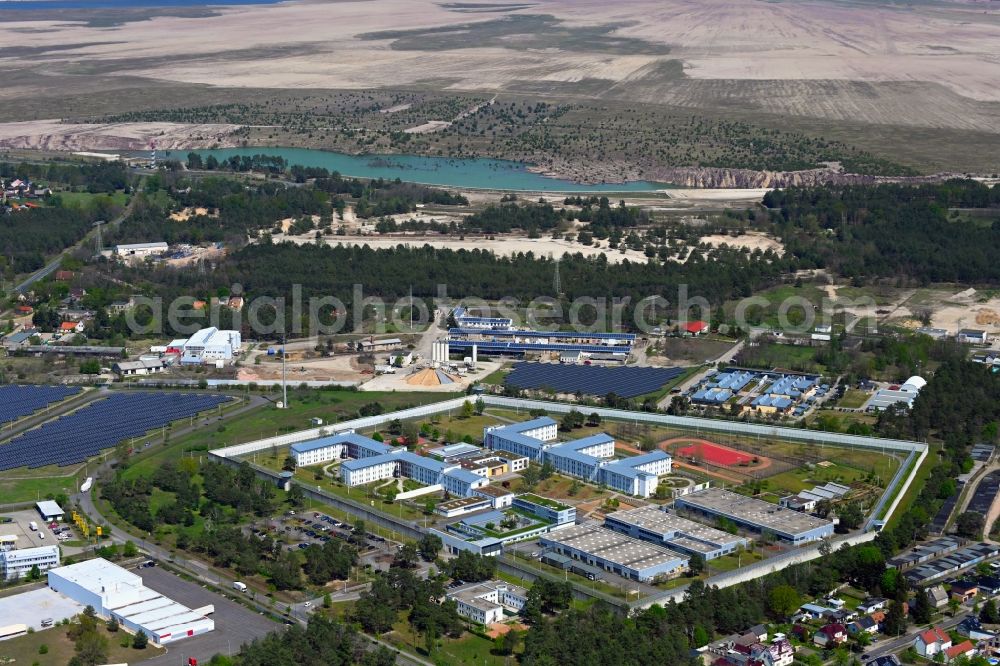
{"type": "Point", "coordinates": [714, 453]}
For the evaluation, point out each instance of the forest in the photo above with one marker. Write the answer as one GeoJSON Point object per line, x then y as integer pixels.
{"type": "Point", "coordinates": [871, 232]}
{"type": "Point", "coordinates": [272, 269]}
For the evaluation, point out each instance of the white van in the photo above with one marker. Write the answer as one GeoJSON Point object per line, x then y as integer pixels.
{"type": "Point", "coordinates": [240, 586]}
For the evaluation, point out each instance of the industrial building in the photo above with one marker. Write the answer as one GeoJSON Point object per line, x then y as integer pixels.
{"type": "Point", "coordinates": [138, 250]}
{"type": "Point", "coordinates": [616, 553]}
{"type": "Point", "coordinates": [904, 394]}
{"type": "Point", "coordinates": [485, 603]}
{"type": "Point", "coordinates": [497, 335]}
{"type": "Point", "coordinates": [589, 458]}
{"type": "Point", "coordinates": [756, 515]}
{"type": "Point", "coordinates": [15, 564]}
{"type": "Point", "coordinates": [656, 525]}
{"type": "Point", "coordinates": [465, 320]}
{"type": "Point", "coordinates": [114, 592]}
{"type": "Point", "coordinates": [210, 345]}
{"type": "Point", "coordinates": [49, 510]}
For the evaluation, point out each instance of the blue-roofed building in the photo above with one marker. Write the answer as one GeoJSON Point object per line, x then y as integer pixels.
{"type": "Point", "coordinates": [366, 470]}
{"type": "Point", "coordinates": [526, 439]}
{"type": "Point", "coordinates": [638, 475]}
{"type": "Point", "coordinates": [465, 320]}
{"type": "Point", "coordinates": [712, 396]}
{"type": "Point", "coordinates": [734, 380]}
{"type": "Point", "coordinates": [423, 470]}
{"type": "Point", "coordinates": [461, 482]}
{"type": "Point", "coordinates": [335, 447]}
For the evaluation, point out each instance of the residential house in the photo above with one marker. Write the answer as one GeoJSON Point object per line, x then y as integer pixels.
{"type": "Point", "coordinates": [812, 611]}
{"type": "Point", "coordinates": [71, 327]}
{"type": "Point", "coordinates": [778, 652]}
{"type": "Point", "coordinates": [973, 628]}
{"type": "Point", "coordinates": [842, 616]}
{"type": "Point", "coordinates": [830, 635]}
{"type": "Point", "coordinates": [865, 624]}
{"type": "Point", "coordinates": [695, 328]}
{"type": "Point", "coordinates": [963, 591]}
{"type": "Point", "coordinates": [937, 596]}
{"type": "Point", "coordinates": [760, 631]}
{"type": "Point", "coordinates": [932, 641]}
{"type": "Point", "coordinates": [118, 307]}
{"type": "Point", "coordinates": [872, 604]}
{"type": "Point", "coordinates": [963, 649]}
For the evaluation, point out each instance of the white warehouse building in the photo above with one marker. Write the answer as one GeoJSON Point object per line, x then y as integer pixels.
{"type": "Point", "coordinates": [209, 345]}
{"type": "Point", "coordinates": [114, 592]}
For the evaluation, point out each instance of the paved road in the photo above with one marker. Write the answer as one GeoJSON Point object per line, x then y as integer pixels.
{"type": "Point", "coordinates": [55, 263]}
{"type": "Point", "coordinates": [889, 645]}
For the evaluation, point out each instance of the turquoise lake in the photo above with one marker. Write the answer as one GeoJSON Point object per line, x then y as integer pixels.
{"type": "Point", "coordinates": [479, 173]}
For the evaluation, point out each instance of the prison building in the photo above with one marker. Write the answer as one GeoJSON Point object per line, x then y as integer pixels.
{"type": "Point", "coordinates": [756, 515]}
{"type": "Point", "coordinates": [485, 603]}
{"type": "Point", "coordinates": [638, 475]}
{"type": "Point", "coordinates": [653, 524]}
{"type": "Point", "coordinates": [336, 447]}
{"type": "Point", "coordinates": [525, 439]}
{"type": "Point", "coordinates": [461, 482]}
{"type": "Point", "coordinates": [545, 508]}
{"type": "Point", "coordinates": [615, 553]}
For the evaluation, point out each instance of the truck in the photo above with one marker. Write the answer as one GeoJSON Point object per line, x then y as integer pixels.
{"type": "Point", "coordinates": [242, 587]}
{"type": "Point", "coordinates": [33, 525]}
{"type": "Point", "coordinates": [87, 484]}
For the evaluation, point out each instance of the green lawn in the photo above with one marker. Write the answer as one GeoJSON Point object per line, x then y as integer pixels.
{"type": "Point", "coordinates": [33, 489]}
{"type": "Point", "coordinates": [468, 649]}
{"type": "Point", "coordinates": [23, 650]}
{"type": "Point", "coordinates": [853, 399]}
{"type": "Point", "coordinates": [267, 421]}
{"type": "Point", "coordinates": [916, 485]}
{"type": "Point", "coordinates": [84, 198]}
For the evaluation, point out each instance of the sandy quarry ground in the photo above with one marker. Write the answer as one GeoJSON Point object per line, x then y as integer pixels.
{"type": "Point", "coordinates": [397, 381]}
{"type": "Point", "coordinates": [55, 135]}
{"type": "Point", "coordinates": [186, 214]}
{"type": "Point", "coordinates": [813, 58]}
{"type": "Point", "coordinates": [751, 240]}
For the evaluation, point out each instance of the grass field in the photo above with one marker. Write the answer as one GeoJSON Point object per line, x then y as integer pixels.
{"type": "Point", "coordinates": [24, 650]}
{"type": "Point", "coordinates": [19, 489]}
{"type": "Point", "coordinates": [331, 406]}
{"type": "Point", "coordinates": [853, 399]}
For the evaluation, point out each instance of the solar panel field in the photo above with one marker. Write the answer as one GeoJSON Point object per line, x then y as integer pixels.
{"type": "Point", "coordinates": [100, 425]}
{"type": "Point", "coordinates": [18, 401]}
{"type": "Point", "coordinates": [626, 382]}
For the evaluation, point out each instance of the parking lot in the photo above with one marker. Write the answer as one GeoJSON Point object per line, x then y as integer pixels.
{"type": "Point", "coordinates": [20, 526]}
{"type": "Point", "coordinates": [234, 624]}
{"type": "Point", "coordinates": [32, 607]}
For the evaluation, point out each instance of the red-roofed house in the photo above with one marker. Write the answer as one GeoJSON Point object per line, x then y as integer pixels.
{"type": "Point", "coordinates": [71, 327]}
{"type": "Point", "coordinates": [931, 641]}
{"type": "Point", "coordinates": [963, 649]}
{"type": "Point", "coordinates": [695, 327]}
{"type": "Point", "coordinates": [831, 635]}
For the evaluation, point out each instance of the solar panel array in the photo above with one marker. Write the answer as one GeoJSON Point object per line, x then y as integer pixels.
{"type": "Point", "coordinates": [20, 400]}
{"type": "Point", "coordinates": [100, 425]}
{"type": "Point", "coordinates": [626, 382]}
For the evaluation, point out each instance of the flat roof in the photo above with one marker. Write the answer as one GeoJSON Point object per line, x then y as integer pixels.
{"type": "Point", "coordinates": [340, 438]}
{"type": "Point", "coordinates": [614, 547]}
{"type": "Point", "coordinates": [654, 519]}
{"type": "Point", "coordinates": [462, 502]}
{"type": "Point", "coordinates": [454, 449]}
{"type": "Point", "coordinates": [97, 575]}
{"type": "Point", "coordinates": [754, 511]}
{"type": "Point", "coordinates": [49, 508]}
{"type": "Point", "coordinates": [493, 491]}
